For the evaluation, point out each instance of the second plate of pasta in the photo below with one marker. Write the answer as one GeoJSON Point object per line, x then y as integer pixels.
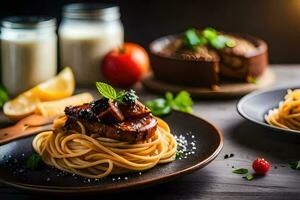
{"type": "Point", "coordinates": [277, 108]}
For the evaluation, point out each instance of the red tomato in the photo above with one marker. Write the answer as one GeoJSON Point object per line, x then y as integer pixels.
{"type": "Point", "coordinates": [260, 166]}
{"type": "Point", "coordinates": [125, 66]}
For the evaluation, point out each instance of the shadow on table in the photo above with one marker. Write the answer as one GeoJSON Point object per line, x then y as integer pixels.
{"type": "Point", "coordinates": [280, 145]}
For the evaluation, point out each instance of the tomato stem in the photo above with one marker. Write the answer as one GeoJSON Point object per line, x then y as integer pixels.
{"type": "Point", "coordinates": [121, 50]}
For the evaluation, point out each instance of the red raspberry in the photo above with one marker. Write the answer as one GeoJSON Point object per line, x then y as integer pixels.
{"type": "Point", "coordinates": [260, 166]}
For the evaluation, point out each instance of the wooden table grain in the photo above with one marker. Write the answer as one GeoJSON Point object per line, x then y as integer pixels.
{"type": "Point", "coordinates": [216, 181]}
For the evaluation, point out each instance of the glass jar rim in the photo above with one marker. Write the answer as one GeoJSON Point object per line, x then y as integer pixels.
{"type": "Point", "coordinates": [28, 22]}
{"type": "Point", "coordinates": [101, 11]}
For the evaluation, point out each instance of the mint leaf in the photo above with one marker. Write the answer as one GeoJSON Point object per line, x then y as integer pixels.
{"type": "Point", "coordinates": [33, 161]}
{"type": "Point", "coordinates": [106, 90]}
{"type": "Point", "coordinates": [159, 107]}
{"type": "Point", "coordinates": [3, 96]}
{"type": "Point", "coordinates": [120, 96]}
{"type": "Point", "coordinates": [249, 177]}
{"type": "Point", "coordinates": [163, 106]}
{"type": "Point", "coordinates": [240, 171]}
{"type": "Point", "coordinates": [169, 97]}
{"type": "Point", "coordinates": [295, 165]}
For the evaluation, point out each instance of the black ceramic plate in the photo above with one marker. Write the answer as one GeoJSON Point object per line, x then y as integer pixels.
{"type": "Point", "coordinates": [207, 141]}
{"type": "Point", "coordinates": [255, 105]}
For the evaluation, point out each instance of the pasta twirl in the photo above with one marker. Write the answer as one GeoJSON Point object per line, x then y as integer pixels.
{"type": "Point", "coordinates": [287, 115]}
{"type": "Point", "coordinates": [97, 157]}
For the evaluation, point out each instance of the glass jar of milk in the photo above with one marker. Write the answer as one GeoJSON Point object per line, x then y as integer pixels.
{"type": "Point", "coordinates": [86, 34]}
{"type": "Point", "coordinates": [28, 52]}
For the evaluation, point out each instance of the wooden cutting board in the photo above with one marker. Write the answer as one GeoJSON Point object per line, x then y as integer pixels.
{"type": "Point", "coordinates": [30, 125]}
{"type": "Point", "coordinates": [226, 90]}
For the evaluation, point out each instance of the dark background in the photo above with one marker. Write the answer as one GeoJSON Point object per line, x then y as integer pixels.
{"type": "Point", "coordinates": [276, 21]}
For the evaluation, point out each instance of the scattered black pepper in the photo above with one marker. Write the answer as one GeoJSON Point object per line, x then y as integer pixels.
{"type": "Point", "coordinates": [231, 155]}
{"type": "Point", "coordinates": [226, 156]}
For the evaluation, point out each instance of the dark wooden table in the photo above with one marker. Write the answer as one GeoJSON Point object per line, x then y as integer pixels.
{"type": "Point", "coordinates": [244, 139]}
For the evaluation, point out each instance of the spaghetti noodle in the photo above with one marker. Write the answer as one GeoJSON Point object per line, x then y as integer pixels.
{"type": "Point", "coordinates": [287, 115]}
{"type": "Point", "coordinates": [97, 157]}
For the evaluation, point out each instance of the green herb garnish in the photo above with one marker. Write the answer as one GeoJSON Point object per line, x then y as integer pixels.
{"type": "Point", "coordinates": [210, 33]}
{"type": "Point", "coordinates": [192, 39]}
{"type": "Point", "coordinates": [3, 96]}
{"type": "Point", "coordinates": [163, 106]}
{"type": "Point", "coordinates": [230, 43]}
{"type": "Point", "coordinates": [179, 154]}
{"type": "Point", "coordinates": [182, 102]}
{"type": "Point", "coordinates": [295, 165]}
{"type": "Point", "coordinates": [159, 107]}
{"type": "Point", "coordinates": [217, 41]}
{"type": "Point", "coordinates": [129, 97]}
{"type": "Point", "coordinates": [33, 161]}
{"type": "Point", "coordinates": [249, 177]}
{"type": "Point", "coordinates": [106, 90]}
{"type": "Point", "coordinates": [240, 171]}
{"type": "Point", "coordinates": [110, 93]}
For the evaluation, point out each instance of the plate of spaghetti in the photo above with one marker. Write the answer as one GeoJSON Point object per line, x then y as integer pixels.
{"type": "Point", "coordinates": [278, 109]}
{"type": "Point", "coordinates": [110, 144]}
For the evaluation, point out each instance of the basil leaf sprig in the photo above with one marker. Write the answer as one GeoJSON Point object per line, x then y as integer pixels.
{"type": "Point", "coordinates": [192, 38]}
{"type": "Point", "coordinates": [240, 171]}
{"type": "Point", "coordinates": [33, 161]}
{"type": "Point", "coordinates": [245, 172]}
{"type": "Point", "coordinates": [163, 106]}
{"type": "Point", "coordinates": [107, 91]}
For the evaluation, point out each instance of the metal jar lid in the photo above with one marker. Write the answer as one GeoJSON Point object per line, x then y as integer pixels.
{"type": "Point", "coordinates": [28, 22]}
{"type": "Point", "coordinates": [105, 12]}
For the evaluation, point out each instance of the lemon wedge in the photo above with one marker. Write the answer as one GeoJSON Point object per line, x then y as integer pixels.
{"type": "Point", "coordinates": [58, 87]}
{"type": "Point", "coordinates": [53, 108]}
{"type": "Point", "coordinates": [21, 106]}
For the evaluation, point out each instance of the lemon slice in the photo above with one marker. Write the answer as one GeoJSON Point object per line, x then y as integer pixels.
{"type": "Point", "coordinates": [58, 87]}
{"type": "Point", "coordinates": [53, 108]}
{"type": "Point", "coordinates": [21, 106]}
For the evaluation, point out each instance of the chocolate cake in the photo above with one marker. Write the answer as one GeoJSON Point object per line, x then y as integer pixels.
{"type": "Point", "coordinates": [205, 65]}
